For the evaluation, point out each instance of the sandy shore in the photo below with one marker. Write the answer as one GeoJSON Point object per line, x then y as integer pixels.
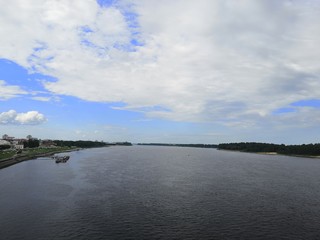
{"type": "Point", "coordinates": [289, 155]}
{"type": "Point", "coordinates": [273, 153]}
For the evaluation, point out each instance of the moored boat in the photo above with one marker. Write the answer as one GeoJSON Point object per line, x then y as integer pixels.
{"type": "Point", "coordinates": [61, 159]}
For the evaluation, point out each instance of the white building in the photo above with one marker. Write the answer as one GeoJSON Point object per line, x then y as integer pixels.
{"type": "Point", "coordinates": [18, 143]}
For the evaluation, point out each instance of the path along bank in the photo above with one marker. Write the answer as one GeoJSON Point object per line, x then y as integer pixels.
{"type": "Point", "coordinates": [17, 158]}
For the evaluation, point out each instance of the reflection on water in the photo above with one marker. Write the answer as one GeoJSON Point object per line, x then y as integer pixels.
{"type": "Point", "coordinates": [161, 193]}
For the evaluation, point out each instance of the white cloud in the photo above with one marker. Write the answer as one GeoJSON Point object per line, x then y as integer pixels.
{"type": "Point", "coordinates": [213, 61]}
{"type": "Point", "coordinates": [9, 91]}
{"type": "Point", "coordinates": [41, 99]}
{"type": "Point", "coordinates": [27, 118]}
{"type": "Point", "coordinates": [46, 99]}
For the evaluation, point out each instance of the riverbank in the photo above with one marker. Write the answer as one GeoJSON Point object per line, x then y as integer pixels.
{"type": "Point", "coordinates": [33, 154]}
{"type": "Point", "coordinates": [289, 155]}
{"type": "Point", "coordinates": [273, 154]}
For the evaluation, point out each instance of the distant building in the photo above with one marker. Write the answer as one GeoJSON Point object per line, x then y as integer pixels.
{"type": "Point", "coordinates": [18, 144]}
{"type": "Point", "coordinates": [47, 143]}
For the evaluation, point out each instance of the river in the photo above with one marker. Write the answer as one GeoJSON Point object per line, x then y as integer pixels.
{"type": "Point", "coordinates": [149, 192]}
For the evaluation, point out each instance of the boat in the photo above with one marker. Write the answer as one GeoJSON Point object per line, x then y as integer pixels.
{"type": "Point", "coordinates": [61, 159]}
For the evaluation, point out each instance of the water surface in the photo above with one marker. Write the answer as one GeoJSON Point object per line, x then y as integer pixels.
{"type": "Point", "coordinates": [147, 192]}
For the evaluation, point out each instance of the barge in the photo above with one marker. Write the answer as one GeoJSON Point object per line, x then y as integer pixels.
{"type": "Point", "coordinates": [61, 159]}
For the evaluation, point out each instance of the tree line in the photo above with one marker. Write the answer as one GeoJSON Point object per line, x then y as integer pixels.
{"type": "Point", "coordinates": [180, 145]}
{"type": "Point", "coordinates": [304, 149]}
{"type": "Point", "coordinates": [87, 144]}
{"type": "Point", "coordinates": [79, 143]}
{"type": "Point", "coordinates": [31, 143]}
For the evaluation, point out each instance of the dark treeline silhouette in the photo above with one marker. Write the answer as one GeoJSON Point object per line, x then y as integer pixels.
{"type": "Point", "coordinates": [88, 144]}
{"type": "Point", "coordinates": [79, 143]}
{"type": "Point", "coordinates": [123, 144]}
{"type": "Point", "coordinates": [181, 145]}
{"type": "Point", "coordinates": [31, 143]}
{"type": "Point", "coordinates": [3, 147]}
{"type": "Point", "coordinates": [304, 149]}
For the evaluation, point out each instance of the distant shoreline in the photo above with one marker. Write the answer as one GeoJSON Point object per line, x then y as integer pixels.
{"type": "Point", "coordinates": [18, 159]}
{"type": "Point", "coordinates": [199, 145]}
{"type": "Point", "coordinates": [303, 150]}
{"type": "Point", "coordinates": [21, 158]}
{"type": "Point", "coordinates": [272, 153]}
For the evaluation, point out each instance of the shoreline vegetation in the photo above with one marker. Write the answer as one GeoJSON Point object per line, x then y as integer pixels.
{"type": "Point", "coordinates": [273, 153]}
{"type": "Point", "coordinates": [10, 157]}
{"type": "Point", "coordinates": [180, 145]}
{"type": "Point", "coordinates": [304, 150]}
{"type": "Point", "coordinates": [30, 154]}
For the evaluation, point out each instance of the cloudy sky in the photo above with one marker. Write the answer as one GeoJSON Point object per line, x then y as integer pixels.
{"type": "Point", "coordinates": [179, 71]}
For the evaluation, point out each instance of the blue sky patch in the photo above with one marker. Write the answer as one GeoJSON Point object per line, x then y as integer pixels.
{"type": "Point", "coordinates": [14, 74]}
{"type": "Point", "coordinates": [284, 110]}
{"type": "Point", "coordinates": [106, 3]}
{"type": "Point", "coordinates": [315, 103]}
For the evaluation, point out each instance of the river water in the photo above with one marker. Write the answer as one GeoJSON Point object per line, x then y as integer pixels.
{"type": "Point", "coordinates": [146, 192]}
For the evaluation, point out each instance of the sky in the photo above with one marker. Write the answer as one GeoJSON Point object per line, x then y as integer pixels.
{"type": "Point", "coordinates": [175, 71]}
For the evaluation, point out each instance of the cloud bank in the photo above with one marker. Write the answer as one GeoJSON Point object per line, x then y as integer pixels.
{"type": "Point", "coordinates": [202, 61]}
{"type": "Point", "coordinates": [27, 118]}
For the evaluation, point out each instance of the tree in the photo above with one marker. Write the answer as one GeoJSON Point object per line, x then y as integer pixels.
{"type": "Point", "coordinates": [31, 143]}
{"type": "Point", "coordinates": [3, 147]}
